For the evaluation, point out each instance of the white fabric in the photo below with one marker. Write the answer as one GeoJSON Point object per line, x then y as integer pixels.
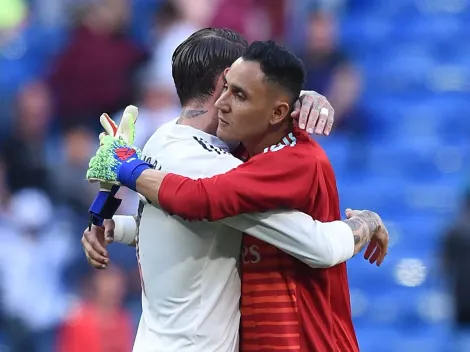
{"type": "Point", "coordinates": [125, 230]}
{"type": "Point", "coordinates": [191, 282]}
{"type": "Point", "coordinates": [319, 245]}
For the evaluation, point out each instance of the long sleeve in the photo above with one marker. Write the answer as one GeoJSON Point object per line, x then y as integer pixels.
{"type": "Point", "coordinates": [274, 180]}
{"type": "Point", "coordinates": [315, 243]}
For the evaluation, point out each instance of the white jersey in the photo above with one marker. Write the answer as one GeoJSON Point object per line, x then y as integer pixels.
{"type": "Point", "coordinates": [190, 276]}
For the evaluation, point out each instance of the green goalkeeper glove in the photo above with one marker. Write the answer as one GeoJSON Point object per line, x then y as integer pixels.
{"type": "Point", "coordinates": [116, 162]}
{"type": "Point", "coordinates": [106, 204]}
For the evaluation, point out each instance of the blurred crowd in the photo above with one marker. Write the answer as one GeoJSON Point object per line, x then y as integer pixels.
{"type": "Point", "coordinates": [63, 63]}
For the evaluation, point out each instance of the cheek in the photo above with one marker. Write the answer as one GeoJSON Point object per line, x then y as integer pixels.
{"type": "Point", "coordinates": [253, 122]}
{"type": "Point", "coordinates": [244, 123]}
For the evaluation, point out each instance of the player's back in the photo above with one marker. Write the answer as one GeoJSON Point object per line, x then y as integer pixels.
{"type": "Point", "coordinates": [190, 279]}
{"type": "Point", "coordinates": [286, 305]}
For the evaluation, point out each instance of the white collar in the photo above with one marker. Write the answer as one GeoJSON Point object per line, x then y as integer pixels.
{"type": "Point", "coordinates": [194, 132]}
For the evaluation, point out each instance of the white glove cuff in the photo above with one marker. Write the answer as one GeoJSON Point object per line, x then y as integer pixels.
{"type": "Point", "coordinates": [125, 230]}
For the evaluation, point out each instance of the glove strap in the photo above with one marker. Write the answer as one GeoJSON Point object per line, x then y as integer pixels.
{"type": "Point", "coordinates": [104, 206]}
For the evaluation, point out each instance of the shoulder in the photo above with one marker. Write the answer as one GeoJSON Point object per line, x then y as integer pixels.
{"type": "Point", "coordinates": [295, 151]}
{"type": "Point", "coordinates": [221, 164]}
{"type": "Point", "coordinates": [205, 145]}
{"type": "Point", "coordinates": [160, 133]}
{"type": "Point", "coordinates": [183, 152]}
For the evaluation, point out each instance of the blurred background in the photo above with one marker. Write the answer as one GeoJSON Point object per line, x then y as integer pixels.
{"type": "Point", "coordinates": [397, 73]}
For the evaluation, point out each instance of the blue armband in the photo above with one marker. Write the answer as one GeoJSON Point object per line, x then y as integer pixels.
{"type": "Point", "coordinates": [130, 171]}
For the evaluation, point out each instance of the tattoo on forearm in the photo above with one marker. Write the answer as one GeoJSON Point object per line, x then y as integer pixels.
{"type": "Point", "coordinates": [363, 226]}
{"type": "Point", "coordinates": [192, 113]}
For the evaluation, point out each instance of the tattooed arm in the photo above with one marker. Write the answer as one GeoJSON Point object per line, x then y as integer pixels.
{"type": "Point", "coordinates": [368, 227]}
{"type": "Point", "coordinates": [363, 225]}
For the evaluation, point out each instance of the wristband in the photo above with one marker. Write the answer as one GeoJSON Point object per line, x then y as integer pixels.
{"type": "Point", "coordinates": [130, 171]}
{"type": "Point", "coordinates": [125, 229]}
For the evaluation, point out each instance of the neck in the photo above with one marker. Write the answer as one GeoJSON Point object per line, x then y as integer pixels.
{"type": "Point", "coordinates": [257, 145]}
{"type": "Point", "coordinates": [200, 116]}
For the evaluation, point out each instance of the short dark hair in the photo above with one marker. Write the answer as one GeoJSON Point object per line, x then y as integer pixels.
{"type": "Point", "coordinates": [279, 65]}
{"type": "Point", "coordinates": [200, 59]}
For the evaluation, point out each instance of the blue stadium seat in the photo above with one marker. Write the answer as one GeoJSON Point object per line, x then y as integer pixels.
{"type": "Point", "coordinates": [415, 64]}
{"type": "Point", "coordinates": [429, 340]}
{"type": "Point", "coordinates": [373, 339]}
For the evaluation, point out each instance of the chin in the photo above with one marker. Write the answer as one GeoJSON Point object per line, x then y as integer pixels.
{"type": "Point", "coordinates": [221, 134]}
{"type": "Point", "coordinates": [226, 137]}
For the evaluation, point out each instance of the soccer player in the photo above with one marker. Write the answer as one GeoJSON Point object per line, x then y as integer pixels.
{"type": "Point", "coordinates": [183, 263]}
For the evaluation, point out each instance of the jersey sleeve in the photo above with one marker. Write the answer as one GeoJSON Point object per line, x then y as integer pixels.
{"type": "Point", "coordinates": [274, 180]}
{"type": "Point", "coordinates": [317, 244]}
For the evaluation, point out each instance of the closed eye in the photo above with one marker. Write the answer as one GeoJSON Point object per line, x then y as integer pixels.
{"type": "Point", "coordinates": [239, 94]}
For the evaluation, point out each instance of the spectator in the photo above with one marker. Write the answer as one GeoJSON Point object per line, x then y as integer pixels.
{"type": "Point", "coordinates": [244, 17]}
{"type": "Point", "coordinates": [171, 29]}
{"type": "Point", "coordinates": [330, 73]}
{"type": "Point", "coordinates": [70, 186]}
{"type": "Point", "coordinates": [157, 106]}
{"type": "Point", "coordinates": [199, 13]}
{"type": "Point", "coordinates": [255, 19]}
{"type": "Point", "coordinates": [33, 254]}
{"type": "Point", "coordinates": [456, 259]}
{"type": "Point", "coordinates": [94, 73]}
{"type": "Point", "coordinates": [99, 323]}
{"type": "Point", "coordinates": [24, 153]}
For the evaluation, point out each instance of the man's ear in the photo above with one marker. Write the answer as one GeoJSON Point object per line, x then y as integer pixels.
{"type": "Point", "coordinates": [219, 85]}
{"type": "Point", "coordinates": [280, 112]}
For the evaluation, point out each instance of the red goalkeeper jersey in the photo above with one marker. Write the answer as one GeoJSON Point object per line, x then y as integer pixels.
{"type": "Point", "coordinates": [286, 305]}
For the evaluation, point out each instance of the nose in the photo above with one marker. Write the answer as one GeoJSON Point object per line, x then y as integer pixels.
{"type": "Point", "coordinates": [222, 103]}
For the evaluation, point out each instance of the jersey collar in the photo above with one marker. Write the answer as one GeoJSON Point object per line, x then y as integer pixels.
{"type": "Point", "coordinates": [288, 141]}
{"type": "Point", "coordinates": [194, 132]}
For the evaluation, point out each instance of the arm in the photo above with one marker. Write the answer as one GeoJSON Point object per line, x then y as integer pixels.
{"type": "Point", "coordinates": [259, 185]}
{"type": "Point", "coordinates": [312, 242]}
{"type": "Point", "coordinates": [315, 243]}
{"type": "Point", "coordinates": [121, 229]}
{"type": "Point", "coordinates": [278, 178]}
{"type": "Point", "coordinates": [365, 225]}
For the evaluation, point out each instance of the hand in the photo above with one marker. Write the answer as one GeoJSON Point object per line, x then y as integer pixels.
{"type": "Point", "coordinates": [314, 113]}
{"type": "Point", "coordinates": [95, 241]}
{"type": "Point", "coordinates": [126, 129]}
{"type": "Point", "coordinates": [377, 233]}
{"type": "Point", "coordinates": [113, 152]}
{"type": "Point", "coordinates": [116, 162]}
{"type": "Point", "coordinates": [105, 203]}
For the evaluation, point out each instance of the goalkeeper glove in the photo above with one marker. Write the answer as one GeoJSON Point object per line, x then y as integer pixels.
{"type": "Point", "coordinates": [116, 161]}
{"type": "Point", "coordinates": [105, 204]}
